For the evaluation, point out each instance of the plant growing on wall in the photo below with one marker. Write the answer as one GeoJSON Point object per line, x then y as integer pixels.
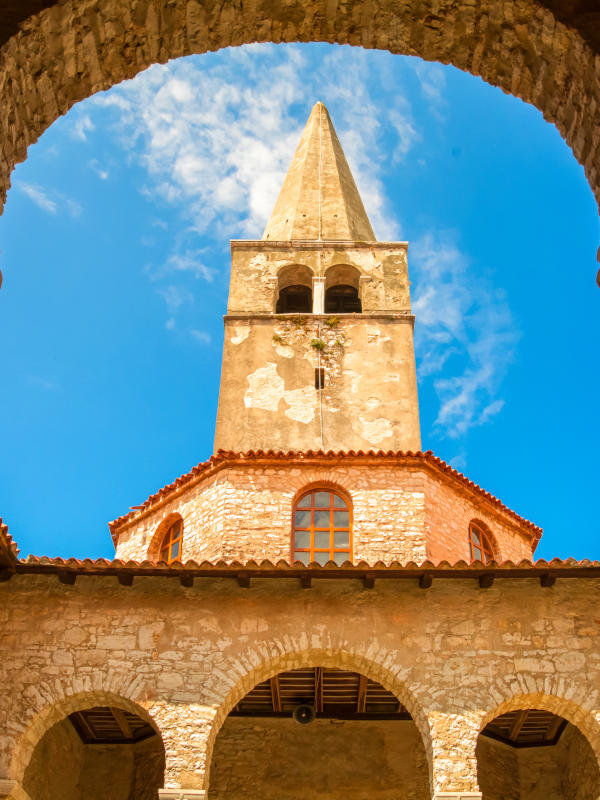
{"type": "Point", "coordinates": [318, 344]}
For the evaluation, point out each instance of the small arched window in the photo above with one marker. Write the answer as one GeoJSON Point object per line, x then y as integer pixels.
{"type": "Point", "coordinates": [342, 299]}
{"type": "Point", "coordinates": [322, 528]}
{"type": "Point", "coordinates": [294, 299]}
{"type": "Point", "coordinates": [170, 547]}
{"type": "Point", "coordinates": [480, 543]}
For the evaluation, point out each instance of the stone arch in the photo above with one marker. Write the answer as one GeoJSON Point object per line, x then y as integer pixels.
{"type": "Point", "coordinates": [254, 666]}
{"type": "Point", "coordinates": [162, 527]}
{"type": "Point", "coordinates": [69, 51]}
{"type": "Point", "coordinates": [585, 719]}
{"type": "Point", "coordinates": [342, 273]}
{"type": "Point", "coordinates": [292, 274]}
{"type": "Point", "coordinates": [56, 710]}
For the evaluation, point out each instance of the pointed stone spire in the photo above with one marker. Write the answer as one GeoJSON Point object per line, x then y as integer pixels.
{"type": "Point", "coordinates": [319, 199]}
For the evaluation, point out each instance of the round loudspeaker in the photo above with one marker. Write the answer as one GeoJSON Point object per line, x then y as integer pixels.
{"type": "Point", "coordinates": [304, 714]}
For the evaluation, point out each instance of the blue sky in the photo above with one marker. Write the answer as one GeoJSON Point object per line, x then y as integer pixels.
{"type": "Point", "coordinates": [115, 253]}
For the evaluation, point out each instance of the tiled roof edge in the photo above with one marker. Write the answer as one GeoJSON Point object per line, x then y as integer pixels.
{"type": "Point", "coordinates": [548, 571]}
{"type": "Point", "coordinates": [9, 552]}
{"type": "Point", "coordinates": [223, 457]}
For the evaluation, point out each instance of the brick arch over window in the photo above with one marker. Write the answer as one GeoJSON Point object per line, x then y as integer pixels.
{"type": "Point", "coordinates": [70, 51]}
{"type": "Point", "coordinates": [160, 533]}
{"type": "Point", "coordinates": [488, 544]}
{"type": "Point", "coordinates": [377, 669]}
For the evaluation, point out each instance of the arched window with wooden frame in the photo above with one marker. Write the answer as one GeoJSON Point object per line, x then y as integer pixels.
{"type": "Point", "coordinates": [480, 543]}
{"type": "Point", "coordinates": [171, 544]}
{"type": "Point", "coordinates": [322, 527]}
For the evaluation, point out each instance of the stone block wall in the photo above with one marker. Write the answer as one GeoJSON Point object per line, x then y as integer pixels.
{"type": "Point", "coordinates": [277, 759]}
{"type": "Point", "coordinates": [455, 655]}
{"type": "Point", "coordinates": [400, 514]}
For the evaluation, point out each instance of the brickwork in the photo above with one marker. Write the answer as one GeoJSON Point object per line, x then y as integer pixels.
{"type": "Point", "coordinates": [455, 655]}
{"type": "Point", "coordinates": [400, 514]}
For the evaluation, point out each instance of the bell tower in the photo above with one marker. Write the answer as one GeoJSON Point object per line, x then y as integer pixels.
{"type": "Point", "coordinates": [318, 350]}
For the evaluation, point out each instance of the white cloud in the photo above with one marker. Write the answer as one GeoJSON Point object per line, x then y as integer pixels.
{"type": "Point", "coordinates": [83, 125]}
{"type": "Point", "coordinates": [51, 202]}
{"type": "Point", "coordinates": [39, 196]}
{"type": "Point", "coordinates": [463, 329]}
{"type": "Point", "coordinates": [101, 172]}
{"type": "Point", "coordinates": [175, 297]}
{"type": "Point", "coordinates": [217, 146]}
{"type": "Point", "coordinates": [202, 337]}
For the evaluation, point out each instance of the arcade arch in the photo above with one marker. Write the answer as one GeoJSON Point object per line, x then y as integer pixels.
{"type": "Point", "coordinates": [361, 742]}
{"type": "Point", "coordinates": [73, 748]}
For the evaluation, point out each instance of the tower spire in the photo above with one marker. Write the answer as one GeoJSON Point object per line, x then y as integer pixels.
{"type": "Point", "coordinates": [319, 199]}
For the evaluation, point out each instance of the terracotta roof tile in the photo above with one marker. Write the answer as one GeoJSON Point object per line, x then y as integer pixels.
{"type": "Point", "coordinates": [556, 568]}
{"type": "Point", "coordinates": [9, 552]}
{"type": "Point", "coordinates": [225, 457]}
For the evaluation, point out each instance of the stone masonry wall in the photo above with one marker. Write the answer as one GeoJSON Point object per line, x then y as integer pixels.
{"type": "Point", "coordinates": [63, 767]}
{"type": "Point", "coordinates": [277, 759]}
{"type": "Point", "coordinates": [455, 655]}
{"type": "Point", "coordinates": [566, 771]}
{"type": "Point", "coordinates": [400, 514]}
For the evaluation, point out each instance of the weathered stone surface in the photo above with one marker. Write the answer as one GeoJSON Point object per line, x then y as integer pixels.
{"type": "Point", "coordinates": [455, 656]}
{"type": "Point", "coordinates": [399, 514]}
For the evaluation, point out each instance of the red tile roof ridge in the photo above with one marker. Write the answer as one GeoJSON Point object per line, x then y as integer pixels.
{"type": "Point", "coordinates": [221, 457]}
{"type": "Point", "coordinates": [298, 566]}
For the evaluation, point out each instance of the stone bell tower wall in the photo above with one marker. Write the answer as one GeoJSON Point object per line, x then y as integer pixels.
{"type": "Point", "coordinates": [268, 398]}
{"type": "Point", "coordinates": [269, 395]}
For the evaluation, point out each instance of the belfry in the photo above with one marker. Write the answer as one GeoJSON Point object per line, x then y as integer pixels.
{"type": "Point", "coordinates": [320, 609]}
{"type": "Point", "coordinates": [318, 349]}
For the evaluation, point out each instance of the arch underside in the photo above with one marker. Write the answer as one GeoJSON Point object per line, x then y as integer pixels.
{"type": "Point", "coordinates": [72, 50]}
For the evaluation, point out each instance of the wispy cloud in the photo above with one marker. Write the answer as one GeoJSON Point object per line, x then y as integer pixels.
{"type": "Point", "coordinates": [51, 202]}
{"type": "Point", "coordinates": [202, 337]}
{"type": "Point", "coordinates": [175, 297]}
{"type": "Point", "coordinates": [222, 160]}
{"type": "Point", "coordinates": [47, 384]}
{"type": "Point", "coordinates": [82, 126]}
{"type": "Point", "coordinates": [465, 335]}
{"type": "Point", "coordinates": [102, 172]}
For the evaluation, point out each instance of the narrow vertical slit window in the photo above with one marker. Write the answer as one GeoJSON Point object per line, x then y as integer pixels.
{"type": "Point", "coordinates": [319, 377]}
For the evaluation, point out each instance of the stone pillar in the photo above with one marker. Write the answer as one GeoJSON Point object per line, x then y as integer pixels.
{"type": "Point", "coordinates": [453, 760]}
{"type": "Point", "coordinates": [186, 732]}
{"type": "Point", "coordinates": [12, 790]}
{"type": "Point", "coordinates": [318, 295]}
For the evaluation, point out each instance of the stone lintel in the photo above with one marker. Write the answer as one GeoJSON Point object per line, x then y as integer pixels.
{"type": "Point", "coordinates": [397, 316]}
{"type": "Point", "coordinates": [181, 794]}
{"type": "Point", "coordinates": [457, 796]}
{"type": "Point", "coordinates": [12, 790]}
{"type": "Point", "coordinates": [312, 244]}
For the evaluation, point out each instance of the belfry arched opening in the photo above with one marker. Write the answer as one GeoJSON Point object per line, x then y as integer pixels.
{"type": "Point", "coordinates": [319, 732]}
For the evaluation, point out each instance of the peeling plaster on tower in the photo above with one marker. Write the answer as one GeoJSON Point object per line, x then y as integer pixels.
{"type": "Point", "coordinates": [318, 236]}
